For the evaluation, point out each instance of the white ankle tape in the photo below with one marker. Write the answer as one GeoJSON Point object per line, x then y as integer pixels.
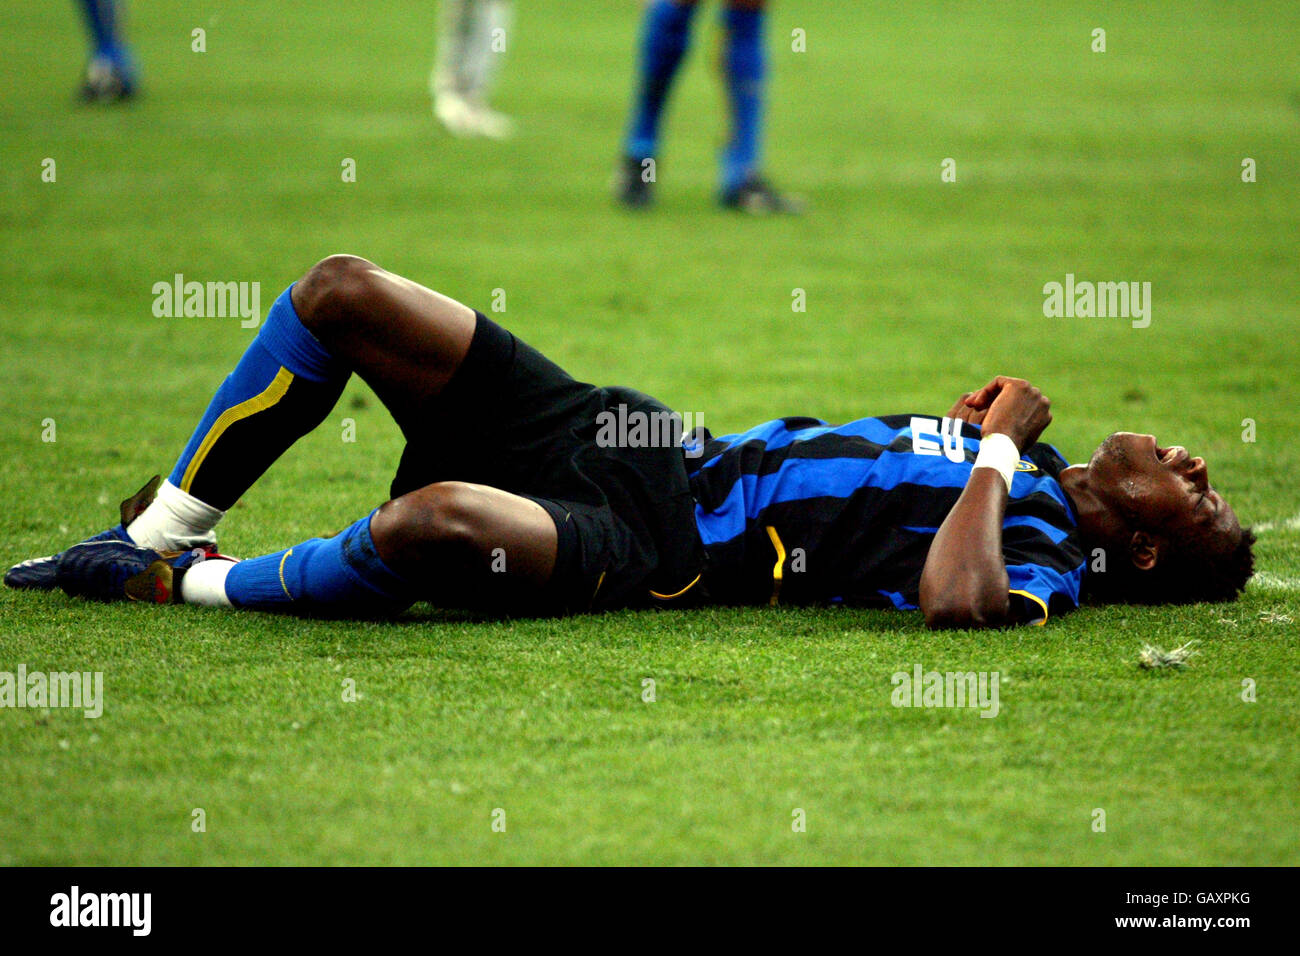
{"type": "Point", "coordinates": [187, 509]}
{"type": "Point", "coordinates": [175, 521]}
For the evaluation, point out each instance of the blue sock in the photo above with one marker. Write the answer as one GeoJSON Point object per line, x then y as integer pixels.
{"type": "Point", "coordinates": [666, 33]}
{"type": "Point", "coordinates": [294, 346]}
{"type": "Point", "coordinates": [101, 20]}
{"type": "Point", "coordinates": [746, 70]}
{"type": "Point", "coordinates": [342, 572]}
{"type": "Point", "coordinates": [283, 387]}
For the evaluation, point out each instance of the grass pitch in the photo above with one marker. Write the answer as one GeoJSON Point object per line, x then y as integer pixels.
{"type": "Point", "coordinates": [1123, 165]}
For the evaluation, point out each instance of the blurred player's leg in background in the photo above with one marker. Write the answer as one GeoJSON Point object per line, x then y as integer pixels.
{"type": "Point", "coordinates": [110, 71]}
{"type": "Point", "coordinates": [665, 37]}
{"type": "Point", "coordinates": [471, 44]}
{"type": "Point", "coordinates": [744, 69]}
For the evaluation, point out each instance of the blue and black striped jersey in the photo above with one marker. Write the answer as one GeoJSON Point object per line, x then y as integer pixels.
{"type": "Point", "coordinates": [801, 512]}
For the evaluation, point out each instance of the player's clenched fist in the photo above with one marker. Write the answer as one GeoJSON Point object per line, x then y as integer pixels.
{"type": "Point", "coordinates": [1014, 408]}
{"type": "Point", "coordinates": [963, 412]}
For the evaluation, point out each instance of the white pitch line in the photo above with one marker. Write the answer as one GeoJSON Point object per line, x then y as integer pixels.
{"type": "Point", "coordinates": [1287, 524]}
{"type": "Point", "coordinates": [1276, 582]}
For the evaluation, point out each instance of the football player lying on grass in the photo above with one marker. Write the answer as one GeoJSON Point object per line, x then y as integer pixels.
{"type": "Point", "coordinates": [514, 495]}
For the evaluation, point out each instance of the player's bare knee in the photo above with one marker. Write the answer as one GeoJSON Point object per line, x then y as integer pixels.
{"type": "Point", "coordinates": [332, 289]}
{"type": "Point", "coordinates": [432, 522]}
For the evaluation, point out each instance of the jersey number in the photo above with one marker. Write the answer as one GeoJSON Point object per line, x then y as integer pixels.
{"type": "Point", "coordinates": [938, 436]}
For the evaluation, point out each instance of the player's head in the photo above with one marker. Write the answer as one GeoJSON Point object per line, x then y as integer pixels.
{"type": "Point", "coordinates": [1167, 535]}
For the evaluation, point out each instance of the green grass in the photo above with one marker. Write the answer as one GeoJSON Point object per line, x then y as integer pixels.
{"type": "Point", "coordinates": [1123, 165]}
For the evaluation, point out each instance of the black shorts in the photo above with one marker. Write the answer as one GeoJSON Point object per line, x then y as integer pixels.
{"type": "Point", "coordinates": [512, 419]}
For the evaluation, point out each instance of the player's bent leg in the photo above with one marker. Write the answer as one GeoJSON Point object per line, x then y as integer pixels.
{"type": "Point", "coordinates": [404, 340]}
{"type": "Point", "coordinates": [289, 379]}
{"type": "Point", "coordinates": [453, 544]}
{"type": "Point", "coordinates": [469, 546]}
{"type": "Point", "coordinates": [345, 314]}
{"type": "Point", "coordinates": [341, 574]}
{"type": "Point", "coordinates": [282, 387]}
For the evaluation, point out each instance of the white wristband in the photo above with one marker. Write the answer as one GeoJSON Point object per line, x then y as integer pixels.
{"type": "Point", "coordinates": [1000, 453]}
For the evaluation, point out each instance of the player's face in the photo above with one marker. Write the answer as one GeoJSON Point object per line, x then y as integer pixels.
{"type": "Point", "coordinates": [1162, 489]}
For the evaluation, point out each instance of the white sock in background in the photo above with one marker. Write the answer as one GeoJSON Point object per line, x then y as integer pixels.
{"type": "Point", "coordinates": [175, 521]}
{"type": "Point", "coordinates": [204, 583]}
{"type": "Point", "coordinates": [479, 60]}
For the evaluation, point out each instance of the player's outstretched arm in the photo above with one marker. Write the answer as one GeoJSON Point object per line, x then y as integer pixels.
{"type": "Point", "coordinates": [964, 583]}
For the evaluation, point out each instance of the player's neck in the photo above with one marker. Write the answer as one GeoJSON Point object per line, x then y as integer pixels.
{"type": "Point", "coordinates": [1088, 507]}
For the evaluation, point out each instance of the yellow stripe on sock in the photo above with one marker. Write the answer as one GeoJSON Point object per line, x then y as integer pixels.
{"type": "Point", "coordinates": [259, 402]}
{"type": "Point", "coordinates": [282, 584]}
